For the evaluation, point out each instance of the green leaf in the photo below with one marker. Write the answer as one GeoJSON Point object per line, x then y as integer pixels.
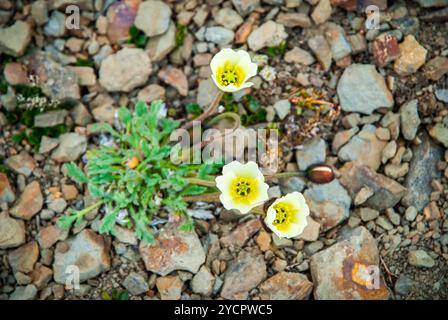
{"type": "Point", "coordinates": [76, 173]}
{"type": "Point", "coordinates": [187, 226]}
{"type": "Point", "coordinates": [66, 221]}
{"type": "Point", "coordinates": [109, 222]}
{"type": "Point", "coordinates": [104, 127]}
{"type": "Point", "coordinates": [193, 190]}
{"type": "Point", "coordinates": [141, 108]}
{"type": "Point", "coordinates": [105, 296]}
{"type": "Point", "coordinates": [193, 108]}
{"type": "Point", "coordinates": [133, 31]}
{"type": "Point", "coordinates": [124, 115]}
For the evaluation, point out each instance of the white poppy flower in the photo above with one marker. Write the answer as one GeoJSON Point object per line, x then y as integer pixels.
{"type": "Point", "coordinates": [286, 217]}
{"type": "Point", "coordinates": [242, 186]}
{"type": "Point", "coordinates": [231, 69]}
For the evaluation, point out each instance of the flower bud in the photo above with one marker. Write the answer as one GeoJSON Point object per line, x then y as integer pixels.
{"type": "Point", "coordinates": [133, 162]}
{"type": "Point", "coordinates": [321, 173]}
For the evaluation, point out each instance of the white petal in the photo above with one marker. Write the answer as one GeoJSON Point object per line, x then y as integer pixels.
{"type": "Point", "coordinates": [221, 57]}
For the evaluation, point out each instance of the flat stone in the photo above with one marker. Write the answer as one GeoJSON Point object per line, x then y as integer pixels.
{"type": "Point", "coordinates": [12, 232]}
{"type": "Point", "coordinates": [29, 203]}
{"type": "Point", "coordinates": [6, 193]}
{"type": "Point", "coordinates": [385, 49]}
{"type": "Point", "coordinates": [203, 282]}
{"type": "Point", "coordinates": [71, 147]}
{"type": "Point", "coordinates": [439, 132]}
{"type": "Point", "coordinates": [241, 234]}
{"type": "Point", "coordinates": [321, 12]}
{"type": "Point", "coordinates": [159, 47]}
{"type": "Point", "coordinates": [286, 286]}
{"type": "Point", "coordinates": [41, 275]}
{"type": "Point", "coordinates": [242, 275]}
{"type": "Point", "coordinates": [207, 91]}
{"type": "Point", "coordinates": [321, 50]}
{"type": "Point", "coordinates": [362, 89]}
{"type": "Point", "coordinates": [297, 55]}
{"type": "Point", "coordinates": [24, 293]}
{"type": "Point", "coordinates": [24, 258]}
{"type": "Point", "coordinates": [311, 231]}
{"type": "Point", "coordinates": [282, 108]}
{"type": "Point", "coordinates": [120, 17]}
{"type": "Point", "coordinates": [368, 214]}
{"type": "Point", "coordinates": [329, 203]}
{"type": "Point", "coordinates": [87, 251]}
{"type": "Point", "coordinates": [387, 192]}
{"type": "Point", "coordinates": [125, 70]}
{"type": "Point", "coordinates": [153, 17]}
{"type": "Point", "coordinates": [244, 7]}
{"type": "Point", "coordinates": [342, 137]}
{"type": "Point", "coordinates": [22, 163]}
{"type": "Point", "coordinates": [412, 57]}
{"type": "Point", "coordinates": [294, 19]}
{"type": "Point", "coordinates": [47, 144]}
{"type": "Point", "coordinates": [50, 118]}
{"type": "Point", "coordinates": [269, 34]}
{"type": "Point", "coordinates": [125, 235]}
{"type": "Point", "coordinates": [420, 258]}
{"type": "Point", "coordinates": [81, 115]}
{"type": "Point", "coordinates": [311, 153]}
{"type": "Point", "coordinates": [15, 73]}
{"type": "Point", "coordinates": [176, 78]}
{"type": "Point", "coordinates": [422, 171]}
{"type": "Point", "coordinates": [15, 39]}
{"type": "Point", "coordinates": [341, 272]}
{"type": "Point", "coordinates": [135, 284]}
{"type": "Point", "coordinates": [340, 47]}
{"type": "Point", "coordinates": [173, 250]}
{"type": "Point", "coordinates": [86, 76]}
{"type": "Point", "coordinates": [219, 35]}
{"type": "Point", "coordinates": [365, 147]}
{"type": "Point", "coordinates": [49, 235]}
{"type": "Point", "coordinates": [228, 18]}
{"type": "Point", "coordinates": [436, 68]}
{"type": "Point", "coordinates": [170, 287]}
{"type": "Point", "coordinates": [56, 81]}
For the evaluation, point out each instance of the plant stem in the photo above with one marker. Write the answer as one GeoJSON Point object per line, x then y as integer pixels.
{"type": "Point", "coordinates": [201, 182]}
{"type": "Point", "coordinates": [284, 175]}
{"type": "Point", "coordinates": [258, 211]}
{"type": "Point", "coordinates": [208, 112]}
{"type": "Point", "coordinates": [207, 197]}
{"type": "Point", "coordinates": [85, 211]}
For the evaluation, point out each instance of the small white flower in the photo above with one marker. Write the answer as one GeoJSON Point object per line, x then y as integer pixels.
{"type": "Point", "coordinates": [286, 217]}
{"type": "Point", "coordinates": [242, 186]}
{"type": "Point", "coordinates": [231, 69]}
{"type": "Point", "coordinates": [268, 73]}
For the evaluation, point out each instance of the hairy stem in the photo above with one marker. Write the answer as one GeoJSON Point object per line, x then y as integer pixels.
{"type": "Point", "coordinates": [207, 197]}
{"type": "Point", "coordinates": [208, 112]}
{"type": "Point", "coordinates": [201, 182]}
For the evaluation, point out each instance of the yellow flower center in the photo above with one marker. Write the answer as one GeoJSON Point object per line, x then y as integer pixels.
{"type": "Point", "coordinates": [230, 74]}
{"type": "Point", "coordinates": [244, 190]}
{"type": "Point", "coordinates": [285, 214]}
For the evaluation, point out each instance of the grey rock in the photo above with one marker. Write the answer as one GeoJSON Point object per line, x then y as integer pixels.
{"type": "Point", "coordinates": [71, 147]}
{"type": "Point", "coordinates": [282, 108]}
{"type": "Point", "coordinates": [365, 147]}
{"type": "Point", "coordinates": [24, 293]}
{"type": "Point", "coordinates": [15, 39]}
{"type": "Point", "coordinates": [219, 35]}
{"type": "Point", "coordinates": [387, 192]}
{"type": "Point", "coordinates": [321, 50]}
{"type": "Point", "coordinates": [439, 132]}
{"type": "Point", "coordinates": [292, 184]}
{"type": "Point", "coordinates": [311, 153]}
{"type": "Point", "coordinates": [47, 144]}
{"type": "Point", "coordinates": [422, 170]}
{"type": "Point", "coordinates": [55, 26]}
{"type": "Point", "coordinates": [244, 7]}
{"type": "Point", "coordinates": [207, 91]}
{"type": "Point", "coordinates": [228, 18]}
{"type": "Point", "coordinates": [383, 223]}
{"type": "Point", "coordinates": [340, 47]}
{"type": "Point", "coordinates": [12, 232]}
{"type": "Point", "coordinates": [87, 251]}
{"type": "Point", "coordinates": [410, 120]}
{"type": "Point", "coordinates": [135, 284]}
{"type": "Point", "coordinates": [329, 203]}
{"type": "Point", "coordinates": [203, 282]}
{"type": "Point", "coordinates": [50, 118]}
{"type": "Point", "coordinates": [420, 258]}
{"type": "Point", "coordinates": [333, 268]}
{"type": "Point", "coordinates": [125, 70]}
{"type": "Point", "coordinates": [362, 89]}
{"type": "Point", "coordinates": [368, 214]}
{"type": "Point", "coordinates": [442, 95]}
{"type": "Point", "coordinates": [242, 275]}
{"type": "Point", "coordinates": [39, 12]}
{"type": "Point", "coordinates": [411, 213]}
{"type": "Point", "coordinates": [160, 46]}
{"type": "Point", "coordinates": [432, 3]}
{"type": "Point", "coordinates": [298, 55]}
{"type": "Point", "coordinates": [56, 81]}
{"type": "Point", "coordinates": [269, 34]}
{"type": "Point", "coordinates": [404, 285]}
{"type": "Point", "coordinates": [153, 17]}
